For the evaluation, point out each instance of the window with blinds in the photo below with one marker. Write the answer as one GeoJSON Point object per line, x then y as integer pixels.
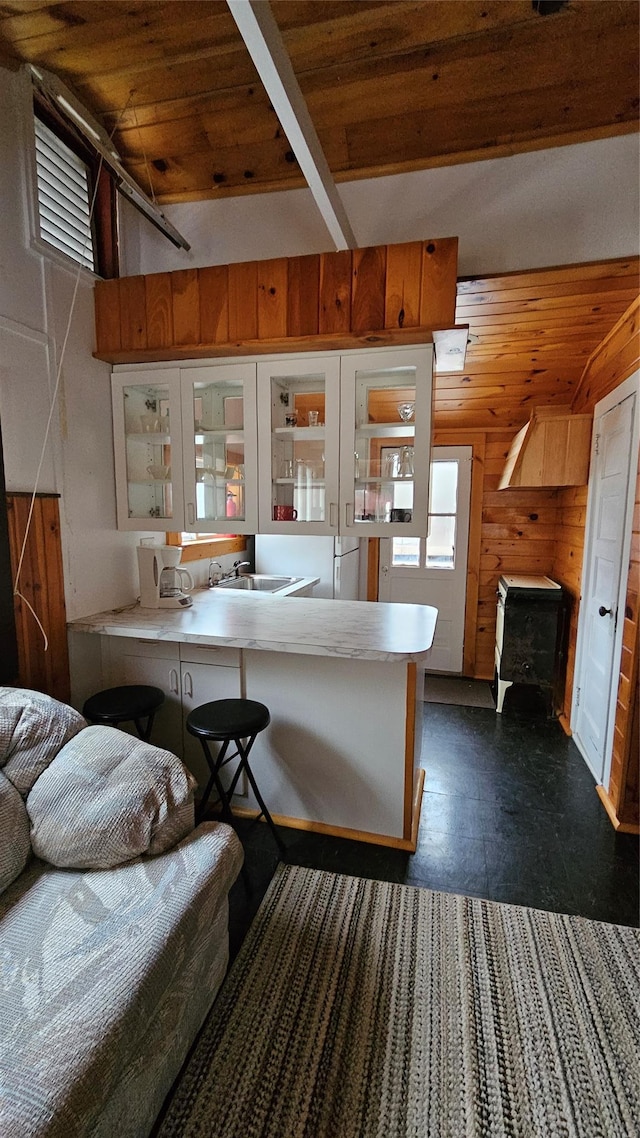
{"type": "Point", "coordinates": [64, 198]}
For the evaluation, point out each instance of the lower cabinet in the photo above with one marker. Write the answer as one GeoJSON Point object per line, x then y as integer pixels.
{"type": "Point", "coordinates": [189, 675]}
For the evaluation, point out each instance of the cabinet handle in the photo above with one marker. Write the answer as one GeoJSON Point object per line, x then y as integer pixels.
{"type": "Point", "coordinates": [348, 514]}
{"type": "Point", "coordinates": [173, 681]}
{"type": "Point", "coordinates": [333, 514]}
{"type": "Point", "coordinates": [191, 514]}
{"type": "Point", "coordinates": [602, 611]}
{"type": "Point", "coordinates": [187, 684]}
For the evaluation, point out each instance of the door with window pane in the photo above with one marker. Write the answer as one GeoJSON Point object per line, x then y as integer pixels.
{"type": "Point", "coordinates": [433, 571]}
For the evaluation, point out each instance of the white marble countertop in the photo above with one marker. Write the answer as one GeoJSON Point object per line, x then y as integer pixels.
{"type": "Point", "coordinates": [364, 630]}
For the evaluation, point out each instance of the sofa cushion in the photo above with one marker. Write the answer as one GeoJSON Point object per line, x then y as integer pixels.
{"type": "Point", "coordinates": [14, 833]}
{"type": "Point", "coordinates": [33, 728]}
{"type": "Point", "coordinates": [107, 798]}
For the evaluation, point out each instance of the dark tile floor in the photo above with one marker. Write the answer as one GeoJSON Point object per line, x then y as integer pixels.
{"type": "Point", "coordinates": [509, 813]}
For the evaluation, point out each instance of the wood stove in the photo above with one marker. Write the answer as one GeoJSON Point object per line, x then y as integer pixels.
{"type": "Point", "coordinates": [527, 633]}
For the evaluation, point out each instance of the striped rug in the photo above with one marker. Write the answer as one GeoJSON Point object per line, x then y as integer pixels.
{"type": "Point", "coordinates": [359, 1009]}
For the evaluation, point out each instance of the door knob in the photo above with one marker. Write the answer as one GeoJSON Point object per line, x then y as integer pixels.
{"type": "Point", "coordinates": [603, 611]}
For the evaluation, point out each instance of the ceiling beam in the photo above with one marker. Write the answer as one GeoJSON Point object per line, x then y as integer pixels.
{"type": "Point", "coordinates": [264, 43]}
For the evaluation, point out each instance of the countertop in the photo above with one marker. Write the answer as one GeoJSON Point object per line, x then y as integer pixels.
{"type": "Point", "coordinates": [364, 630]}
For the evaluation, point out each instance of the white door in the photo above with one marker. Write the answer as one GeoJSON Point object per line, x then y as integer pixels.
{"type": "Point", "coordinates": [434, 572]}
{"type": "Point", "coordinates": [604, 581]}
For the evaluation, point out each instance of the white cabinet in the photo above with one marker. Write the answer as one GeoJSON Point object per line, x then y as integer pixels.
{"type": "Point", "coordinates": [299, 417]}
{"type": "Point", "coordinates": [185, 447]}
{"type": "Point", "coordinates": [189, 675]}
{"type": "Point", "coordinates": [320, 444]}
{"type": "Point", "coordinates": [219, 448]}
{"type": "Point", "coordinates": [385, 442]}
{"type": "Point", "coordinates": [147, 432]}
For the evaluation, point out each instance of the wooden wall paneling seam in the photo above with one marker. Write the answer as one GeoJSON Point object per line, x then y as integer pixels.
{"type": "Point", "coordinates": [439, 262]}
{"type": "Point", "coordinates": [272, 280]}
{"type": "Point", "coordinates": [213, 284]}
{"type": "Point", "coordinates": [335, 292]}
{"type": "Point", "coordinates": [158, 310]}
{"type": "Point", "coordinates": [133, 313]}
{"type": "Point", "coordinates": [402, 285]}
{"type": "Point", "coordinates": [369, 269]}
{"type": "Point", "coordinates": [185, 296]}
{"type": "Point", "coordinates": [303, 295]}
{"type": "Point", "coordinates": [243, 300]}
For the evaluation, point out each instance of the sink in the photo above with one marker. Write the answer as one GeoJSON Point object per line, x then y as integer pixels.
{"type": "Point", "coordinates": [258, 582]}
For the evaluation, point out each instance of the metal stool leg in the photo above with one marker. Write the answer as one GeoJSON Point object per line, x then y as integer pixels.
{"type": "Point", "coordinates": [145, 732]}
{"type": "Point", "coordinates": [214, 780]}
{"type": "Point", "coordinates": [243, 753]}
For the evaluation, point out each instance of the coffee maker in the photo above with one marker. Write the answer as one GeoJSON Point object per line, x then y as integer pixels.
{"type": "Point", "coordinates": [162, 584]}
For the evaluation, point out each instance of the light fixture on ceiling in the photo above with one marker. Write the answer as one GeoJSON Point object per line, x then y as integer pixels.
{"type": "Point", "coordinates": [450, 346]}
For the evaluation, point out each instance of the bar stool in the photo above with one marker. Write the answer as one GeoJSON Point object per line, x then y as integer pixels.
{"type": "Point", "coordinates": [130, 703]}
{"type": "Point", "coordinates": [229, 721]}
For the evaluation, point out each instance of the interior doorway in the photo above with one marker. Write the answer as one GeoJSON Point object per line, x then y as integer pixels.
{"type": "Point", "coordinates": [433, 571]}
{"type": "Point", "coordinates": [604, 575]}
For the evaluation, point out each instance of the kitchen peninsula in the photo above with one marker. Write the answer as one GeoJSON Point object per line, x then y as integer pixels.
{"type": "Point", "coordinates": [342, 680]}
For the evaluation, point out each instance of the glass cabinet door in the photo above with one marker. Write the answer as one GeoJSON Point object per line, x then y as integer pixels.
{"type": "Point", "coordinates": [298, 407]}
{"type": "Point", "coordinates": [385, 442]}
{"type": "Point", "coordinates": [146, 414]}
{"type": "Point", "coordinates": [220, 448]}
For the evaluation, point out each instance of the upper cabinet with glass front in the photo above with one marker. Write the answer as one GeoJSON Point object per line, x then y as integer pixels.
{"type": "Point", "coordinates": [298, 412]}
{"type": "Point", "coordinates": [319, 445]}
{"type": "Point", "coordinates": [220, 448]}
{"type": "Point", "coordinates": [148, 450]}
{"type": "Point", "coordinates": [385, 440]}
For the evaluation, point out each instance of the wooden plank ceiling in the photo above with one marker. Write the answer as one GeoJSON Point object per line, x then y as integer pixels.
{"type": "Point", "coordinates": [535, 333]}
{"type": "Point", "coordinates": [390, 86]}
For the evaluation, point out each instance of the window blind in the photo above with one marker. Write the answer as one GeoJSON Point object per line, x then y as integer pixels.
{"type": "Point", "coordinates": [63, 198]}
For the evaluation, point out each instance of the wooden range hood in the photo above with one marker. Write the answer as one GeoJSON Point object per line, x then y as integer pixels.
{"type": "Point", "coordinates": [552, 449]}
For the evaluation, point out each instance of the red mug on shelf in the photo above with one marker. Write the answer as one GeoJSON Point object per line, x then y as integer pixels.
{"type": "Point", "coordinates": [284, 514]}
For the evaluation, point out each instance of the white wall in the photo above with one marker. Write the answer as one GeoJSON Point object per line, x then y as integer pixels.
{"type": "Point", "coordinates": [35, 298]}
{"type": "Point", "coordinates": [550, 207]}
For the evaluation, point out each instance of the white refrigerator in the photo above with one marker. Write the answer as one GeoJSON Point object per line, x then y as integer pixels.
{"type": "Point", "coordinates": [335, 560]}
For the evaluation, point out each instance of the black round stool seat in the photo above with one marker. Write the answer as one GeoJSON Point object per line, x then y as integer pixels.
{"type": "Point", "coordinates": [228, 719]}
{"type": "Point", "coordinates": [122, 704]}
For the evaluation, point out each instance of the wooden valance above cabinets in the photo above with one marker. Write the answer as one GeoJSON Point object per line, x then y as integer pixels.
{"type": "Point", "coordinates": [385, 295]}
{"type": "Point", "coordinates": [552, 449]}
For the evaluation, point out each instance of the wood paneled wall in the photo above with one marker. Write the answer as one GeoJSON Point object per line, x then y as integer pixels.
{"type": "Point", "coordinates": [41, 583]}
{"type": "Point", "coordinates": [386, 294]}
{"type": "Point", "coordinates": [616, 358]}
{"type": "Point", "coordinates": [517, 536]}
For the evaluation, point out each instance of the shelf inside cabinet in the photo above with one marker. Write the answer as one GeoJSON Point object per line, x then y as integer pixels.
{"type": "Point", "coordinates": [379, 481]}
{"type": "Point", "coordinates": [301, 432]}
{"type": "Point", "coordinates": [229, 434]}
{"type": "Point", "coordinates": [313, 482]}
{"type": "Point", "coordinates": [148, 437]}
{"type": "Point", "coordinates": [149, 482]}
{"type": "Point", "coordinates": [387, 430]}
{"type": "Point", "coordinates": [219, 480]}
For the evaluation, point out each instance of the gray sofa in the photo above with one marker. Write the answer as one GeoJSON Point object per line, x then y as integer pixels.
{"type": "Point", "coordinates": [113, 923]}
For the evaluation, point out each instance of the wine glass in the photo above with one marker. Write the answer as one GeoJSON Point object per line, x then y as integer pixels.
{"type": "Point", "coordinates": [405, 411]}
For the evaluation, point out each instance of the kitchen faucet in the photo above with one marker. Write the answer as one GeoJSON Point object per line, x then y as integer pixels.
{"type": "Point", "coordinates": [217, 574]}
{"type": "Point", "coordinates": [215, 567]}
